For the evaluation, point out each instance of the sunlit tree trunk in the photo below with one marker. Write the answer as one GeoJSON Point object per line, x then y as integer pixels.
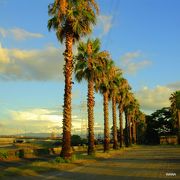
{"type": "Point", "coordinates": [115, 141]}
{"type": "Point", "coordinates": [90, 104]}
{"type": "Point", "coordinates": [106, 122]}
{"type": "Point", "coordinates": [90, 117]}
{"type": "Point", "coordinates": [121, 126]}
{"type": "Point", "coordinates": [134, 132]}
{"type": "Point", "coordinates": [66, 151]}
{"type": "Point", "coordinates": [130, 129]}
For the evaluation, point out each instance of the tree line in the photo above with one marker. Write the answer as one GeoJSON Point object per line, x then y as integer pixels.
{"type": "Point", "coordinates": [72, 20]}
{"type": "Point", "coordinates": [163, 122]}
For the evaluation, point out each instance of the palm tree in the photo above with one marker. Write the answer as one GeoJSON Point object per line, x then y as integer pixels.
{"type": "Point", "coordinates": [129, 99]}
{"type": "Point", "coordinates": [175, 108]}
{"type": "Point", "coordinates": [123, 89]}
{"type": "Point", "coordinates": [62, 4]}
{"type": "Point", "coordinates": [114, 82]}
{"type": "Point", "coordinates": [71, 19]}
{"type": "Point", "coordinates": [102, 84]}
{"type": "Point", "coordinates": [132, 110]}
{"type": "Point", "coordinates": [134, 118]}
{"type": "Point", "coordinates": [87, 67]}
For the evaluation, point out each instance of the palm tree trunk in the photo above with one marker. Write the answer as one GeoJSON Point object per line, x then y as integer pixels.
{"type": "Point", "coordinates": [115, 143]}
{"type": "Point", "coordinates": [66, 151]}
{"type": "Point", "coordinates": [120, 126]}
{"type": "Point", "coordinates": [130, 130]}
{"type": "Point", "coordinates": [126, 129]}
{"type": "Point", "coordinates": [134, 132]}
{"type": "Point", "coordinates": [90, 105]}
{"type": "Point", "coordinates": [106, 123]}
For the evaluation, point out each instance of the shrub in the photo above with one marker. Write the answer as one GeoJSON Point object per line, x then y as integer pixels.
{"type": "Point", "coordinates": [75, 140]}
{"type": "Point", "coordinates": [41, 152]}
{"type": "Point", "coordinates": [3, 155]}
{"type": "Point", "coordinates": [62, 160]}
{"type": "Point", "coordinates": [20, 153]}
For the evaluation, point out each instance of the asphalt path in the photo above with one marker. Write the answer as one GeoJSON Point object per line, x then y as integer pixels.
{"type": "Point", "coordinates": [137, 163]}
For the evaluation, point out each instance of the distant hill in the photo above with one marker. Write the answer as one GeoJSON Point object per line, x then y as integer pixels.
{"type": "Point", "coordinates": [40, 135]}
{"type": "Point", "coordinates": [37, 135]}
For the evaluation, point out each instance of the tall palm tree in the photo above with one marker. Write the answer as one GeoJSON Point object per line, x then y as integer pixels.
{"type": "Point", "coordinates": [134, 118]}
{"type": "Point", "coordinates": [102, 84]}
{"type": "Point", "coordinates": [71, 19]}
{"type": "Point", "coordinates": [123, 89]}
{"type": "Point", "coordinates": [62, 4]}
{"type": "Point", "coordinates": [129, 99]}
{"type": "Point", "coordinates": [132, 109]}
{"type": "Point", "coordinates": [175, 108]}
{"type": "Point", "coordinates": [87, 67]}
{"type": "Point", "coordinates": [114, 83]}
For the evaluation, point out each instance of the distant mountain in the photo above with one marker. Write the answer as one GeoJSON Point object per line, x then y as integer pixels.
{"type": "Point", "coordinates": [38, 135]}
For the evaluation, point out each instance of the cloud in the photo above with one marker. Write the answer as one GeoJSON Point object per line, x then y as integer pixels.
{"type": "Point", "coordinates": [19, 34]}
{"type": "Point", "coordinates": [153, 99]}
{"type": "Point", "coordinates": [38, 120]}
{"type": "Point", "coordinates": [44, 120]}
{"type": "Point", "coordinates": [4, 58]}
{"type": "Point", "coordinates": [36, 115]}
{"type": "Point", "coordinates": [175, 86]}
{"type": "Point", "coordinates": [132, 62]}
{"type": "Point", "coordinates": [1, 125]}
{"type": "Point", "coordinates": [3, 32]}
{"type": "Point", "coordinates": [40, 65]}
{"type": "Point", "coordinates": [104, 24]}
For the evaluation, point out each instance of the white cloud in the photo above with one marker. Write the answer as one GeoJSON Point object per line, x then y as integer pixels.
{"type": "Point", "coordinates": [4, 58]}
{"type": "Point", "coordinates": [153, 99]}
{"type": "Point", "coordinates": [175, 86]}
{"type": "Point", "coordinates": [38, 120]}
{"type": "Point", "coordinates": [36, 115]}
{"type": "Point", "coordinates": [104, 24]}
{"type": "Point", "coordinates": [44, 64]}
{"type": "Point", "coordinates": [19, 34]}
{"type": "Point", "coordinates": [132, 62]}
{"type": "Point", "coordinates": [130, 55]}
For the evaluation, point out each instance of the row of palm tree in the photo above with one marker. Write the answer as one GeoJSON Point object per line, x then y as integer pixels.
{"type": "Point", "coordinates": [175, 108]}
{"type": "Point", "coordinates": [99, 70]}
{"type": "Point", "coordinates": [72, 20]}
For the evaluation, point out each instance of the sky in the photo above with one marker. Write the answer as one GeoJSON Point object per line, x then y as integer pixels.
{"type": "Point", "coordinates": [142, 36]}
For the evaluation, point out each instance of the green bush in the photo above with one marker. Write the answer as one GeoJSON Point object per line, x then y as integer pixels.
{"type": "Point", "coordinates": [62, 160]}
{"type": "Point", "coordinates": [20, 153]}
{"type": "Point", "coordinates": [75, 140]}
{"type": "Point", "coordinates": [3, 155]}
{"type": "Point", "coordinates": [40, 152]}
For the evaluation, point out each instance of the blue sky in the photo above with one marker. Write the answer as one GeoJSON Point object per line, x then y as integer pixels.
{"type": "Point", "coordinates": [143, 37]}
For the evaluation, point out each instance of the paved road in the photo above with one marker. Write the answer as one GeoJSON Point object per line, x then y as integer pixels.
{"type": "Point", "coordinates": [138, 163]}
